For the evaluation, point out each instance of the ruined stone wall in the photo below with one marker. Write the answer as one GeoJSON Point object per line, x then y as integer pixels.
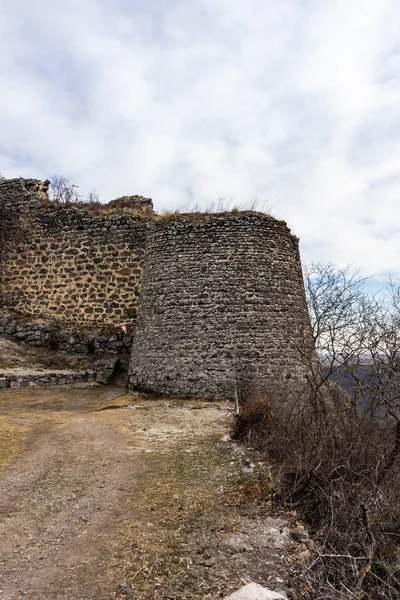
{"type": "Point", "coordinates": [62, 262]}
{"type": "Point", "coordinates": [32, 378]}
{"type": "Point", "coordinates": [67, 337]}
{"type": "Point", "coordinates": [222, 299]}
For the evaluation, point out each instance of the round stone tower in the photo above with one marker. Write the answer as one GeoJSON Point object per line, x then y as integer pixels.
{"type": "Point", "coordinates": [222, 299]}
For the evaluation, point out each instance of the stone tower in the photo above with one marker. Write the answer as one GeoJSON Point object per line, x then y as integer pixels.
{"type": "Point", "coordinates": [222, 299]}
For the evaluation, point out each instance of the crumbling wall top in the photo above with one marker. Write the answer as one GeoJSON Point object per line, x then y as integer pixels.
{"type": "Point", "coordinates": [20, 191]}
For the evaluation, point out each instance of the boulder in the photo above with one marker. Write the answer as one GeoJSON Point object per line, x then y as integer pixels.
{"type": "Point", "coordinates": [106, 370]}
{"type": "Point", "coordinates": [254, 591]}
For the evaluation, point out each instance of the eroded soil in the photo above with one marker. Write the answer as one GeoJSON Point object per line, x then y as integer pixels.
{"type": "Point", "coordinates": [142, 500]}
{"type": "Point", "coordinates": [15, 355]}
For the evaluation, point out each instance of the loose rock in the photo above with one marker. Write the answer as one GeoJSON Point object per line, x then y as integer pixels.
{"type": "Point", "coordinates": [254, 591]}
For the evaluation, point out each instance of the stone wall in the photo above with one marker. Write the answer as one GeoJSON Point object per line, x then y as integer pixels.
{"type": "Point", "coordinates": [65, 263]}
{"type": "Point", "coordinates": [222, 299]}
{"type": "Point", "coordinates": [32, 379]}
{"type": "Point", "coordinates": [65, 337]}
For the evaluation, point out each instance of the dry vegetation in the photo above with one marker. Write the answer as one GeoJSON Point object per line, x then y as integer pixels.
{"type": "Point", "coordinates": [11, 440]}
{"type": "Point", "coordinates": [221, 206]}
{"type": "Point", "coordinates": [340, 469]}
{"type": "Point", "coordinates": [64, 191]}
{"type": "Point", "coordinates": [337, 451]}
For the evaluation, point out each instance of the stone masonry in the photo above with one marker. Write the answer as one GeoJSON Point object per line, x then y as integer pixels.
{"type": "Point", "coordinates": [65, 263]}
{"type": "Point", "coordinates": [222, 299]}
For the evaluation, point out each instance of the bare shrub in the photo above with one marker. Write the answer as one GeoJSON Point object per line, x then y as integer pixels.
{"type": "Point", "coordinates": [253, 423]}
{"type": "Point", "coordinates": [337, 450]}
{"type": "Point", "coordinates": [336, 467]}
{"type": "Point", "coordinates": [64, 191]}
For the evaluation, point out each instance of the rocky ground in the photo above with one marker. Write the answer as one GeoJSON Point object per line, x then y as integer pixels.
{"type": "Point", "coordinates": [105, 495]}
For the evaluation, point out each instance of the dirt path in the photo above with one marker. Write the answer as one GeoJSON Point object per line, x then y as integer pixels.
{"type": "Point", "coordinates": [137, 502]}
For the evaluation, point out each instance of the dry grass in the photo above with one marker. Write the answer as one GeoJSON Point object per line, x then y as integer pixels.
{"type": "Point", "coordinates": [162, 551]}
{"type": "Point", "coordinates": [221, 206]}
{"type": "Point", "coordinates": [11, 441]}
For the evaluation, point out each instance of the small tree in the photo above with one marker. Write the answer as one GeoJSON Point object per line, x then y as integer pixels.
{"type": "Point", "coordinates": [65, 191]}
{"type": "Point", "coordinates": [340, 312]}
{"type": "Point", "coordinates": [92, 197]}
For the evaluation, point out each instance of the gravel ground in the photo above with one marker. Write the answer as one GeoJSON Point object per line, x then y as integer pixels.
{"type": "Point", "coordinates": [143, 500]}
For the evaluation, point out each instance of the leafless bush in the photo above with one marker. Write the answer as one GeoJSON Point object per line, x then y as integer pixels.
{"type": "Point", "coordinates": [254, 421]}
{"type": "Point", "coordinates": [340, 468]}
{"type": "Point", "coordinates": [338, 450]}
{"type": "Point", "coordinates": [64, 191]}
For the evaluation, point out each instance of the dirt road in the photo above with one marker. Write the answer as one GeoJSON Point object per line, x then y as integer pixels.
{"type": "Point", "coordinates": [140, 500]}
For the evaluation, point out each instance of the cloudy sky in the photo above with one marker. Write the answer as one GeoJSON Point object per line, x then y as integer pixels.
{"type": "Point", "coordinates": [293, 102]}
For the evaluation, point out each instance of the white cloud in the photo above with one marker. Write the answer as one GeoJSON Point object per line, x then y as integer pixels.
{"type": "Point", "coordinates": [295, 102]}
